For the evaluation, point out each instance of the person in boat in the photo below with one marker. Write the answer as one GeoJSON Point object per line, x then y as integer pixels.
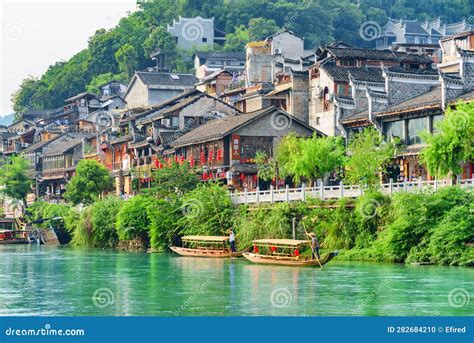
{"type": "Point", "coordinates": [177, 242]}
{"type": "Point", "coordinates": [314, 245]}
{"type": "Point", "coordinates": [232, 240]}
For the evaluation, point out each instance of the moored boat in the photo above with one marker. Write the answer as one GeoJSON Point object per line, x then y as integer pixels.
{"type": "Point", "coordinates": [287, 252]}
{"type": "Point", "coordinates": [14, 237]}
{"type": "Point", "coordinates": [10, 233]}
{"type": "Point", "coordinates": [205, 246]}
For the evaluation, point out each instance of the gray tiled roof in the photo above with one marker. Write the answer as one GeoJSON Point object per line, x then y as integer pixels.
{"type": "Point", "coordinates": [341, 74]}
{"type": "Point", "coordinates": [430, 98]}
{"type": "Point", "coordinates": [218, 128]}
{"type": "Point", "coordinates": [379, 55]}
{"type": "Point", "coordinates": [414, 27]}
{"type": "Point", "coordinates": [38, 145]}
{"type": "Point", "coordinates": [165, 79]}
{"type": "Point", "coordinates": [167, 137]}
{"type": "Point", "coordinates": [62, 145]}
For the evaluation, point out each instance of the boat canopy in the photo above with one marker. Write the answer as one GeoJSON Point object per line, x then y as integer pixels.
{"type": "Point", "coordinates": [280, 242]}
{"type": "Point", "coordinates": [205, 238]}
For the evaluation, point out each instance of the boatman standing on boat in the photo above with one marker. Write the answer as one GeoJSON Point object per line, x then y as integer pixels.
{"type": "Point", "coordinates": [232, 240]}
{"type": "Point", "coordinates": [314, 245]}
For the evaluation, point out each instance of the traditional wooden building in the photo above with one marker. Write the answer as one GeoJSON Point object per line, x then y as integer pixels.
{"type": "Point", "coordinates": [329, 77]}
{"type": "Point", "coordinates": [226, 148]}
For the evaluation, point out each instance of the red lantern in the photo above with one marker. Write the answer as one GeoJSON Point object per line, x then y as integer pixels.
{"type": "Point", "coordinates": [191, 162]}
{"type": "Point", "coordinates": [296, 252]}
{"type": "Point", "coordinates": [219, 155]}
{"type": "Point", "coordinates": [181, 160]}
{"type": "Point", "coordinates": [273, 249]}
{"type": "Point", "coordinates": [255, 249]}
{"type": "Point", "coordinates": [211, 155]}
{"type": "Point", "coordinates": [202, 157]}
{"type": "Point", "coordinates": [242, 176]}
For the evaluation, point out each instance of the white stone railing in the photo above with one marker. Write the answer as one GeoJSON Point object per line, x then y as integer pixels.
{"type": "Point", "coordinates": [336, 192]}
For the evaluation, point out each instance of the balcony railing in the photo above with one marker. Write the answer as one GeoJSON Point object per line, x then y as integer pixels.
{"type": "Point", "coordinates": [336, 192]}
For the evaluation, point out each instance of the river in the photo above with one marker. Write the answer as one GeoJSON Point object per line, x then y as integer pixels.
{"type": "Point", "coordinates": [39, 280]}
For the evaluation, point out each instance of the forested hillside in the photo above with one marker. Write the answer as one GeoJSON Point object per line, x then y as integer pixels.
{"type": "Point", "coordinates": [118, 52]}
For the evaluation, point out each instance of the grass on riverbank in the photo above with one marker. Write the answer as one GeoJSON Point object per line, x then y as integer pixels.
{"type": "Point", "coordinates": [422, 227]}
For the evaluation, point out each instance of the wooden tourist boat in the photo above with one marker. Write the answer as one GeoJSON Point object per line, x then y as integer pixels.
{"type": "Point", "coordinates": [284, 252]}
{"type": "Point", "coordinates": [205, 246]}
{"type": "Point", "coordinates": [10, 234]}
{"type": "Point", "coordinates": [14, 237]}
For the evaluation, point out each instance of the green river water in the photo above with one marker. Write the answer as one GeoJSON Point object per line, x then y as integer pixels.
{"type": "Point", "coordinates": [38, 280]}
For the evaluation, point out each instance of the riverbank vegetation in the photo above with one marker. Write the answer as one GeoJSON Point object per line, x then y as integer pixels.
{"type": "Point", "coordinates": [424, 227]}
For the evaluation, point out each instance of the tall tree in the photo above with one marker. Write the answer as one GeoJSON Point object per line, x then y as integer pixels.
{"type": "Point", "coordinates": [368, 156]}
{"type": "Point", "coordinates": [260, 28]}
{"type": "Point", "coordinates": [126, 57]}
{"type": "Point", "coordinates": [90, 181]}
{"type": "Point", "coordinates": [452, 143]}
{"type": "Point", "coordinates": [14, 178]}
{"type": "Point", "coordinates": [237, 40]}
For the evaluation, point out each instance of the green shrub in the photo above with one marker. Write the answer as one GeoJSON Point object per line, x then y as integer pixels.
{"type": "Point", "coordinates": [132, 219]}
{"type": "Point", "coordinates": [82, 235]}
{"type": "Point", "coordinates": [452, 240]}
{"type": "Point", "coordinates": [64, 227]}
{"type": "Point", "coordinates": [262, 222]}
{"type": "Point", "coordinates": [207, 210]}
{"type": "Point", "coordinates": [104, 218]}
{"type": "Point", "coordinates": [371, 213]}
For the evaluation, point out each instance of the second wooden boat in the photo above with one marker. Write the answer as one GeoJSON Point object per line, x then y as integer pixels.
{"type": "Point", "coordinates": [285, 252]}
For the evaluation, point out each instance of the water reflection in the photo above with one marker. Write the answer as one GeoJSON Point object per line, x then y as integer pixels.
{"type": "Point", "coordinates": [61, 281]}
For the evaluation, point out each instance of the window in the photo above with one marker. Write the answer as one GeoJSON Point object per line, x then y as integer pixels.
{"type": "Point", "coordinates": [341, 89]}
{"type": "Point", "coordinates": [347, 62]}
{"type": "Point", "coordinates": [317, 120]}
{"type": "Point", "coordinates": [410, 39]}
{"type": "Point", "coordinates": [175, 121]}
{"type": "Point", "coordinates": [434, 122]}
{"type": "Point", "coordinates": [415, 126]}
{"type": "Point", "coordinates": [176, 39]}
{"type": "Point", "coordinates": [204, 39]}
{"type": "Point", "coordinates": [394, 129]}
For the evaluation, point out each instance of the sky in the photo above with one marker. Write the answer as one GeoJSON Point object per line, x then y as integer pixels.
{"type": "Point", "coordinates": [38, 33]}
